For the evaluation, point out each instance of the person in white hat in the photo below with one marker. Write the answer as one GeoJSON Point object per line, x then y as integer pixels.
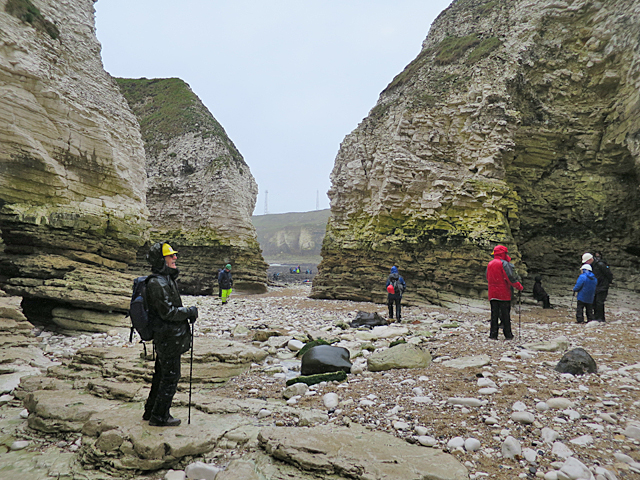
{"type": "Point", "coordinates": [586, 288]}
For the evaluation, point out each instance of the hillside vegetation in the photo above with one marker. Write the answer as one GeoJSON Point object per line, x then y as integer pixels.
{"type": "Point", "coordinates": [292, 237]}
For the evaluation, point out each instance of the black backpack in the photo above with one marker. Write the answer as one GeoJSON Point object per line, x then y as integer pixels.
{"type": "Point", "coordinates": [139, 310]}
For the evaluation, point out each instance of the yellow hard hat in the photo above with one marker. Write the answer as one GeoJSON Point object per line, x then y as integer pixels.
{"type": "Point", "coordinates": [167, 250]}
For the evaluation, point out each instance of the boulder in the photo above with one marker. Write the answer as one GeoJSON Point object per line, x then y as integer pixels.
{"type": "Point", "coordinates": [556, 345]}
{"type": "Point", "coordinates": [366, 319]}
{"type": "Point", "coordinates": [471, 361]}
{"type": "Point", "coordinates": [324, 359]}
{"type": "Point", "coordinates": [404, 355]}
{"type": "Point", "coordinates": [576, 362]}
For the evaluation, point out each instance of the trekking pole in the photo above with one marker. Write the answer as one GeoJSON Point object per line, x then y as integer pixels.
{"type": "Point", "coordinates": [190, 375]}
{"type": "Point", "coordinates": [519, 316]}
{"type": "Point", "coordinates": [571, 307]}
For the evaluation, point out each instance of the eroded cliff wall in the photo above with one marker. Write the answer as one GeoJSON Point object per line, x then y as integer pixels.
{"type": "Point", "coordinates": [516, 124]}
{"type": "Point", "coordinates": [201, 193]}
{"type": "Point", "coordinates": [72, 178]}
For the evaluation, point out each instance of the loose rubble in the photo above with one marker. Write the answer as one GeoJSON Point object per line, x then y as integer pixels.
{"type": "Point", "coordinates": [502, 413]}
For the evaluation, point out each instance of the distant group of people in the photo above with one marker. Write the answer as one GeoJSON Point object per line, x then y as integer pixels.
{"type": "Point", "coordinates": [592, 288]}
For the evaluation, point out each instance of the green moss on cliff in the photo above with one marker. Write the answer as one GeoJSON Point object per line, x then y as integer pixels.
{"type": "Point", "coordinates": [484, 48]}
{"type": "Point", "coordinates": [167, 108]}
{"type": "Point", "coordinates": [452, 48]}
{"type": "Point", "coordinates": [29, 13]}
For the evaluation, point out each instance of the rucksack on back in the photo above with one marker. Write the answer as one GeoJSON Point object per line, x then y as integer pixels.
{"type": "Point", "coordinates": [139, 310]}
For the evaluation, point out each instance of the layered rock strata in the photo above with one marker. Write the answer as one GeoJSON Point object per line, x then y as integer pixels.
{"type": "Point", "coordinates": [72, 180]}
{"type": "Point", "coordinates": [516, 124]}
{"type": "Point", "coordinates": [201, 193]}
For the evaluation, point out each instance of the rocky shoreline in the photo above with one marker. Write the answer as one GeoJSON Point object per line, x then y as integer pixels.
{"type": "Point", "coordinates": [480, 409]}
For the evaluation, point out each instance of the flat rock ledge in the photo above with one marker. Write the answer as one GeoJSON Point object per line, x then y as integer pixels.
{"type": "Point", "coordinates": [357, 452]}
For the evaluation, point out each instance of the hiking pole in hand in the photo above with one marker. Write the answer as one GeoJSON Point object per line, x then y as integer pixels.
{"type": "Point", "coordinates": [190, 375]}
{"type": "Point", "coordinates": [519, 316]}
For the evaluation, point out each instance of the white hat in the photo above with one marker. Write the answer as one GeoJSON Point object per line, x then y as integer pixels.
{"type": "Point", "coordinates": [586, 257]}
{"type": "Point", "coordinates": [586, 266]}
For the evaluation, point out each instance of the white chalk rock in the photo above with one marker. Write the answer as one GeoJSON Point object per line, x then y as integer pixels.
{"type": "Point", "coordinates": [330, 400]}
{"type": "Point", "coordinates": [201, 471]}
{"type": "Point", "coordinates": [511, 447]}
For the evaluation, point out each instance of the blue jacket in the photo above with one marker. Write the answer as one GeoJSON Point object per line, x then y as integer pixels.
{"type": "Point", "coordinates": [586, 286]}
{"type": "Point", "coordinates": [395, 276]}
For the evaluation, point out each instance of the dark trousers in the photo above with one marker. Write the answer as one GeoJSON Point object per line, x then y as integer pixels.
{"type": "Point", "coordinates": [598, 305]}
{"type": "Point", "coordinates": [391, 299]}
{"type": "Point", "coordinates": [501, 311]}
{"type": "Point", "coordinates": [588, 307]}
{"type": "Point", "coordinates": [163, 386]}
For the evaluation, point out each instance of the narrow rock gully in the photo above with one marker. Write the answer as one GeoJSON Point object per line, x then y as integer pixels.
{"type": "Point", "coordinates": [71, 406]}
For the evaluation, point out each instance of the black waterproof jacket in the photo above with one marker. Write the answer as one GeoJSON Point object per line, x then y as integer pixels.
{"type": "Point", "coordinates": [169, 319]}
{"type": "Point", "coordinates": [225, 280]}
{"type": "Point", "coordinates": [603, 274]}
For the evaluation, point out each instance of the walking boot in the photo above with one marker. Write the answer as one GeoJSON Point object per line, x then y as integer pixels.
{"type": "Point", "coordinates": [169, 422]}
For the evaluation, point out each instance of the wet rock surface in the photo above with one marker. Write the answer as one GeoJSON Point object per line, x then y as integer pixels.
{"type": "Point", "coordinates": [79, 413]}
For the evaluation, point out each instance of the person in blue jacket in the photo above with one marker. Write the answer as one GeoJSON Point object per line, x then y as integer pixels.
{"type": "Point", "coordinates": [586, 288]}
{"type": "Point", "coordinates": [395, 288]}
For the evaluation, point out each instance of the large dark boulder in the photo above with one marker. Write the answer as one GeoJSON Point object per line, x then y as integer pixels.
{"type": "Point", "coordinates": [366, 319]}
{"type": "Point", "coordinates": [325, 358]}
{"type": "Point", "coordinates": [577, 362]}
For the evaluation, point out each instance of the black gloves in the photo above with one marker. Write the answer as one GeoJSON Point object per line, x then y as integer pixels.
{"type": "Point", "coordinates": [193, 314]}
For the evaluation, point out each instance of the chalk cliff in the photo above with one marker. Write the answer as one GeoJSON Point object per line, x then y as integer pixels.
{"type": "Point", "coordinates": [518, 123]}
{"type": "Point", "coordinates": [292, 237]}
{"type": "Point", "coordinates": [200, 192]}
{"type": "Point", "coordinates": [72, 178]}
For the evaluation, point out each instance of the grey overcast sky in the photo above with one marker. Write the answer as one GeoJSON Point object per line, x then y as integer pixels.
{"type": "Point", "coordinates": [287, 79]}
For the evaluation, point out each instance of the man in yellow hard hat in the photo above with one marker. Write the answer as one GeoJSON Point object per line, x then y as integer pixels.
{"type": "Point", "coordinates": [171, 333]}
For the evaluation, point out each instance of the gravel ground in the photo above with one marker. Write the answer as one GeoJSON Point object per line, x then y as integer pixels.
{"type": "Point", "coordinates": [603, 403]}
{"type": "Point", "coordinates": [414, 403]}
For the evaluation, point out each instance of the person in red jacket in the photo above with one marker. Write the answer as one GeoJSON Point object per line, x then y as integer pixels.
{"type": "Point", "coordinates": [500, 292]}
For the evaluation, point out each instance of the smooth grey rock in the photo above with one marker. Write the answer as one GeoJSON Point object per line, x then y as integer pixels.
{"type": "Point", "coordinates": [542, 406]}
{"type": "Point", "coordinates": [330, 400]}
{"type": "Point", "coordinates": [577, 362]}
{"type": "Point", "coordinates": [294, 390]}
{"type": "Point", "coordinates": [575, 469]}
{"type": "Point", "coordinates": [549, 435]}
{"type": "Point", "coordinates": [633, 430]}
{"type": "Point", "coordinates": [295, 345]}
{"type": "Point", "coordinates": [582, 440]}
{"type": "Point", "coordinates": [555, 345]}
{"type": "Point", "coordinates": [511, 447]}
{"type": "Point", "coordinates": [470, 361]}
{"type": "Point", "coordinates": [467, 402]}
{"type": "Point", "coordinates": [400, 356]}
{"type": "Point", "coordinates": [363, 453]}
{"type": "Point", "coordinates": [622, 458]}
{"type": "Point", "coordinates": [455, 442]}
{"type": "Point", "coordinates": [201, 471]}
{"type": "Point", "coordinates": [19, 445]}
{"type": "Point", "coordinates": [175, 475]}
{"type": "Point", "coordinates": [530, 455]}
{"type": "Point", "coordinates": [559, 403]}
{"type": "Point", "coordinates": [472, 444]}
{"type": "Point", "coordinates": [526, 418]}
{"type": "Point", "coordinates": [427, 441]}
{"type": "Point", "coordinates": [421, 431]}
{"type": "Point", "coordinates": [561, 450]}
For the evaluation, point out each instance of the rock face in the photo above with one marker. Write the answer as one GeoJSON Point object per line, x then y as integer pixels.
{"type": "Point", "coordinates": [72, 181]}
{"type": "Point", "coordinates": [516, 124]}
{"type": "Point", "coordinates": [295, 236]}
{"type": "Point", "coordinates": [201, 193]}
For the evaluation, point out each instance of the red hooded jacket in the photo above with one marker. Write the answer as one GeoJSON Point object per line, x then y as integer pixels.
{"type": "Point", "coordinates": [499, 283]}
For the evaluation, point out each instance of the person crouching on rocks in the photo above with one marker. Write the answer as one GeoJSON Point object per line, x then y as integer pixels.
{"type": "Point", "coordinates": [500, 292]}
{"type": "Point", "coordinates": [225, 282]}
{"type": "Point", "coordinates": [395, 288]}
{"type": "Point", "coordinates": [171, 333]}
{"type": "Point", "coordinates": [539, 293]}
{"type": "Point", "coordinates": [586, 288]}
